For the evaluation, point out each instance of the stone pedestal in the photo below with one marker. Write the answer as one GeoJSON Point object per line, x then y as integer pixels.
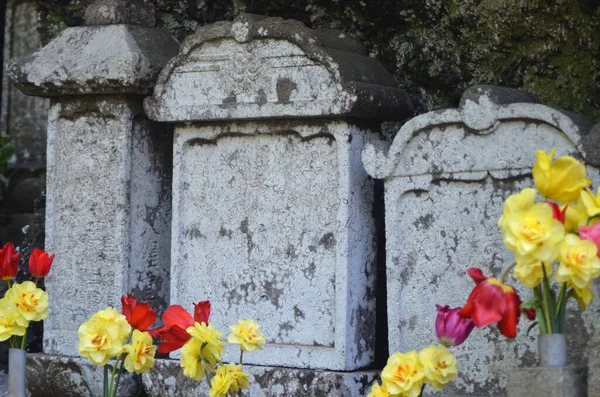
{"type": "Point", "coordinates": [569, 381]}
{"type": "Point", "coordinates": [109, 168]}
{"type": "Point", "coordinates": [446, 175]}
{"type": "Point", "coordinates": [271, 206]}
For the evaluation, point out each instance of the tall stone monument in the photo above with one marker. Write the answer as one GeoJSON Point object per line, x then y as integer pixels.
{"type": "Point", "coordinates": [271, 206]}
{"type": "Point", "coordinates": [446, 175]}
{"type": "Point", "coordinates": [109, 176]}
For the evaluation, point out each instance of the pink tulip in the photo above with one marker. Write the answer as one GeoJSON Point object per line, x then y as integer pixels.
{"type": "Point", "coordinates": [450, 327]}
{"type": "Point", "coordinates": [591, 233]}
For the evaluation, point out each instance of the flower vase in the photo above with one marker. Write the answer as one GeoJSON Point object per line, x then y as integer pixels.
{"type": "Point", "coordinates": [552, 350]}
{"type": "Point", "coordinates": [16, 373]}
{"type": "Point", "coordinates": [552, 377]}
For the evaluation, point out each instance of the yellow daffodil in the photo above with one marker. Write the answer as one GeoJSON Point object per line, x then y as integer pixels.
{"type": "Point", "coordinates": [517, 202]}
{"type": "Point", "coordinates": [378, 391]}
{"type": "Point", "coordinates": [576, 215]}
{"type": "Point", "coordinates": [532, 273]}
{"type": "Point", "coordinates": [220, 383]}
{"type": "Point", "coordinates": [583, 296]}
{"type": "Point", "coordinates": [591, 202]}
{"type": "Point", "coordinates": [533, 234]}
{"type": "Point", "coordinates": [205, 343]}
{"type": "Point", "coordinates": [228, 379]}
{"type": "Point", "coordinates": [140, 353]}
{"type": "Point", "coordinates": [8, 321]}
{"type": "Point", "coordinates": [439, 366]}
{"type": "Point", "coordinates": [31, 302]}
{"type": "Point", "coordinates": [99, 340]}
{"type": "Point", "coordinates": [578, 262]}
{"type": "Point", "coordinates": [240, 378]}
{"type": "Point", "coordinates": [561, 180]}
{"type": "Point", "coordinates": [403, 374]}
{"type": "Point", "coordinates": [247, 334]}
{"type": "Point", "coordinates": [111, 315]}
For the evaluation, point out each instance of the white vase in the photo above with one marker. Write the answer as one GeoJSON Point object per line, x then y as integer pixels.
{"type": "Point", "coordinates": [17, 360]}
{"type": "Point", "coordinates": [552, 350]}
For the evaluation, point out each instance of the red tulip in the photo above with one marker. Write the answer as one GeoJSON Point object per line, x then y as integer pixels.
{"type": "Point", "coordinates": [139, 315]}
{"type": "Point", "coordinates": [9, 262]}
{"type": "Point", "coordinates": [492, 302]}
{"type": "Point", "coordinates": [557, 213]}
{"type": "Point", "coordinates": [591, 233]}
{"type": "Point", "coordinates": [452, 329]}
{"type": "Point", "coordinates": [176, 320]}
{"type": "Point", "coordinates": [202, 312]}
{"type": "Point", "coordinates": [40, 262]}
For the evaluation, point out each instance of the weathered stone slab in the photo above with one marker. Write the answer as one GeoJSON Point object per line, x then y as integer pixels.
{"type": "Point", "coordinates": [109, 170]}
{"type": "Point", "coordinates": [568, 381]}
{"type": "Point", "coordinates": [446, 176]}
{"type": "Point", "coordinates": [108, 211]}
{"type": "Point", "coordinates": [272, 221]}
{"type": "Point", "coordinates": [272, 218]}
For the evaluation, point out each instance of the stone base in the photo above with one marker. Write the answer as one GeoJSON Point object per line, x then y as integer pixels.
{"type": "Point", "coordinates": [59, 376]}
{"type": "Point", "coordinates": [569, 381]}
{"type": "Point", "coordinates": [167, 379]}
{"type": "Point", "coordinates": [77, 377]}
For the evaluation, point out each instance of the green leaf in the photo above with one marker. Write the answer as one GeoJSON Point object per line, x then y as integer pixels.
{"type": "Point", "coordinates": [531, 303]}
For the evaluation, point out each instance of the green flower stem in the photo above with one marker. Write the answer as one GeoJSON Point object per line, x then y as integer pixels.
{"type": "Point", "coordinates": [204, 361]}
{"type": "Point", "coordinates": [119, 372]}
{"type": "Point", "coordinates": [241, 360]}
{"type": "Point", "coordinates": [546, 308]}
{"type": "Point", "coordinates": [505, 272]}
{"type": "Point", "coordinates": [561, 306]}
{"type": "Point", "coordinates": [24, 340]}
{"type": "Point", "coordinates": [112, 377]}
{"type": "Point", "coordinates": [8, 283]}
{"type": "Point", "coordinates": [539, 313]}
{"type": "Point", "coordinates": [105, 386]}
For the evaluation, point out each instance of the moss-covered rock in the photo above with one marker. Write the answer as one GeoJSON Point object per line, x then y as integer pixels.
{"type": "Point", "coordinates": [435, 48]}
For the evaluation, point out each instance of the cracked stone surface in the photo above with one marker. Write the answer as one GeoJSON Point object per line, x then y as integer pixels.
{"type": "Point", "coordinates": [447, 174]}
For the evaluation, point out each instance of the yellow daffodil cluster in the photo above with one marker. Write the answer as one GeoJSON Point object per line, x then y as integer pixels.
{"type": "Point", "coordinates": [560, 229]}
{"type": "Point", "coordinates": [201, 355]}
{"type": "Point", "coordinates": [105, 335]}
{"type": "Point", "coordinates": [22, 303]}
{"type": "Point", "coordinates": [406, 373]}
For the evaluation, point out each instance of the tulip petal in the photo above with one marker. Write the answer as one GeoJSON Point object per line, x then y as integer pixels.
{"type": "Point", "coordinates": [177, 315]}
{"type": "Point", "coordinates": [510, 317]}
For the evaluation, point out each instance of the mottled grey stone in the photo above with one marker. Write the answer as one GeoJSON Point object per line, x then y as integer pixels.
{"type": "Point", "coordinates": [446, 175]}
{"type": "Point", "coordinates": [112, 59]}
{"type": "Point", "coordinates": [271, 207]}
{"type": "Point", "coordinates": [257, 67]}
{"type": "Point", "coordinates": [21, 116]}
{"type": "Point", "coordinates": [58, 376]}
{"type": "Point", "coordinates": [109, 172]}
{"type": "Point", "coordinates": [115, 12]}
{"type": "Point", "coordinates": [166, 380]}
{"type": "Point", "coordinates": [108, 211]}
{"type": "Point", "coordinates": [568, 381]}
{"type": "Point", "coordinates": [272, 220]}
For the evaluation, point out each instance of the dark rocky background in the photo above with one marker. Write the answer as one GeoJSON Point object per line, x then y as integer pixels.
{"type": "Point", "coordinates": [434, 48]}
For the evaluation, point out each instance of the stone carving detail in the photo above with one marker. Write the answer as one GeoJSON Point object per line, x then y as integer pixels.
{"type": "Point", "coordinates": [243, 71]}
{"type": "Point", "coordinates": [257, 67]}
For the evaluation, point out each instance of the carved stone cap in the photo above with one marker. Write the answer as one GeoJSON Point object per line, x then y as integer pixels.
{"type": "Point", "coordinates": [112, 59]}
{"type": "Point", "coordinates": [113, 12]}
{"type": "Point", "coordinates": [453, 141]}
{"type": "Point", "coordinates": [257, 67]}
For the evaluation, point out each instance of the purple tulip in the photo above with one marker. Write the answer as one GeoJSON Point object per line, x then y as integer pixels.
{"type": "Point", "coordinates": [452, 329]}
